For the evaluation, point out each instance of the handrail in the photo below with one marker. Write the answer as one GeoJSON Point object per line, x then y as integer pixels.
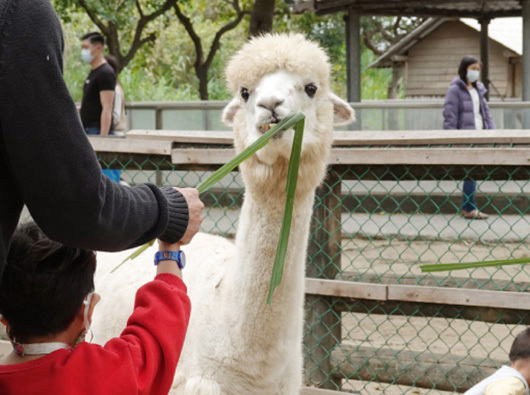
{"type": "Point", "coordinates": [368, 104]}
{"type": "Point", "coordinates": [497, 147]}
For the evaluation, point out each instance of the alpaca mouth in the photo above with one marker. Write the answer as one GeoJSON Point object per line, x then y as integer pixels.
{"type": "Point", "coordinates": [265, 127]}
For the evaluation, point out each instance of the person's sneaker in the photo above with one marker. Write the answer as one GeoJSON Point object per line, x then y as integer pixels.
{"type": "Point", "coordinates": [475, 214]}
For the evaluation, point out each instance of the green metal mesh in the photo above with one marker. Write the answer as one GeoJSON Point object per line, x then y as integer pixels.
{"type": "Point", "coordinates": [376, 224]}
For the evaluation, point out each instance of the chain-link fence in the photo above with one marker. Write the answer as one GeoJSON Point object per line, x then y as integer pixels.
{"type": "Point", "coordinates": [383, 327]}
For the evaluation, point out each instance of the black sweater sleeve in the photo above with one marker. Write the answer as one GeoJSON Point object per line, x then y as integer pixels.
{"type": "Point", "coordinates": [51, 161]}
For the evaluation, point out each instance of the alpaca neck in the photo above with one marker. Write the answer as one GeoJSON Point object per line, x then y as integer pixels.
{"type": "Point", "coordinates": [249, 280]}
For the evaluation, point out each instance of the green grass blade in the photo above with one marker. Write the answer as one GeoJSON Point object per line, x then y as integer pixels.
{"type": "Point", "coordinates": [286, 123]}
{"type": "Point", "coordinates": [222, 172]}
{"type": "Point", "coordinates": [135, 254]}
{"type": "Point", "coordinates": [292, 179]}
{"type": "Point", "coordinates": [442, 267]}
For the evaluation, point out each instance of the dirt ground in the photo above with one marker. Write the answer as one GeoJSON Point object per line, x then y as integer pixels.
{"type": "Point", "coordinates": [456, 337]}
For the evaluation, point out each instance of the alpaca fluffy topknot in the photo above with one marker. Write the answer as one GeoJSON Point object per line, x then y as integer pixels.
{"type": "Point", "coordinates": [271, 52]}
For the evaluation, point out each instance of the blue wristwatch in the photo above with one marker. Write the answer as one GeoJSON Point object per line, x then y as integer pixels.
{"type": "Point", "coordinates": [177, 256]}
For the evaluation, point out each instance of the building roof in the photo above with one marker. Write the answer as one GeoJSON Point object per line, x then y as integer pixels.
{"type": "Point", "coordinates": [461, 8]}
{"type": "Point", "coordinates": [498, 30]}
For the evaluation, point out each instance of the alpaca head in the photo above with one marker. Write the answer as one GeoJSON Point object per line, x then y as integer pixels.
{"type": "Point", "coordinates": [270, 77]}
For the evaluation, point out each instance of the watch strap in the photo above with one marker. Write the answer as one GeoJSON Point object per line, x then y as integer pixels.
{"type": "Point", "coordinates": [170, 256]}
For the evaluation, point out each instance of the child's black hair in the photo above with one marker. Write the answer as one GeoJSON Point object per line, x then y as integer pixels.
{"type": "Point", "coordinates": [521, 346]}
{"type": "Point", "coordinates": [44, 284]}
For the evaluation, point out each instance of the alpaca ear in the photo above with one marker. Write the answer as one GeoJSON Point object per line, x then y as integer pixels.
{"type": "Point", "coordinates": [229, 112]}
{"type": "Point", "coordinates": [343, 114]}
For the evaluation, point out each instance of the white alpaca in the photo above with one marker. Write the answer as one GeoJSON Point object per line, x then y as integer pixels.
{"type": "Point", "coordinates": [236, 343]}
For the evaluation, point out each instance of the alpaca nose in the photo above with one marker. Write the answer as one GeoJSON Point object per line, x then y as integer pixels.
{"type": "Point", "coordinates": [270, 103]}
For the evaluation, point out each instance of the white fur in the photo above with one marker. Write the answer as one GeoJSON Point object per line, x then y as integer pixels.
{"type": "Point", "coordinates": [236, 343]}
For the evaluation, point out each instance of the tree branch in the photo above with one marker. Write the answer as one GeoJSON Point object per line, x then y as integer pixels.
{"type": "Point", "coordinates": [226, 28]}
{"type": "Point", "coordinates": [104, 29]}
{"type": "Point", "coordinates": [186, 22]}
{"type": "Point", "coordinates": [370, 45]}
{"type": "Point", "coordinates": [139, 8]}
{"type": "Point", "coordinates": [162, 10]}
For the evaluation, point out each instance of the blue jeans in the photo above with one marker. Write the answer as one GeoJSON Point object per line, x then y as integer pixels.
{"type": "Point", "coordinates": [468, 196]}
{"type": "Point", "coordinates": [114, 175]}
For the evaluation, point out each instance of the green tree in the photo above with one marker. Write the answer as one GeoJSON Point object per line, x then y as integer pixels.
{"type": "Point", "coordinates": [233, 15]}
{"type": "Point", "coordinates": [126, 24]}
{"type": "Point", "coordinates": [379, 33]}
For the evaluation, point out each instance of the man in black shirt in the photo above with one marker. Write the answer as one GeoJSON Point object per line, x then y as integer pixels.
{"type": "Point", "coordinates": [98, 90]}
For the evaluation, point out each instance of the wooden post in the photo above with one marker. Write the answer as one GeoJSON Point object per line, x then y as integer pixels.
{"type": "Point", "coordinates": [322, 333]}
{"type": "Point", "coordinates": [353, 54]}
{"type": "Point", "coordinates": [484, 54]}
{"type": "Point", "coordinates": [158, 126]}
{"type": "Point", "coordinates": [526, 60]}
{"type": "Point", "coordinates": [158, 119]}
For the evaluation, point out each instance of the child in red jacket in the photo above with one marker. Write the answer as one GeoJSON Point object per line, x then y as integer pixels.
{"type": "Point", "coordinates": [47, 300]}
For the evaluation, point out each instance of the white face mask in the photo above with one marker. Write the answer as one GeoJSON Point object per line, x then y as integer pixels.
{"type": "Point", "coordinates": [86, 302]}
{"type": "Point", "coordinates": [86, 55]}
{"type": "Point", "coordinates": [472, 75]}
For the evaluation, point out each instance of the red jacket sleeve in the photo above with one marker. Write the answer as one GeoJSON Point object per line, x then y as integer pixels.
{"type": "Point", "coordinates": [151, 343]}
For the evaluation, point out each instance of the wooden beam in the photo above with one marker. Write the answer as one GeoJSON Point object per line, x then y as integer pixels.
{"type": "Point", "coordinates": [380, 156]}
{"type": "Point", "coordinates": [353, 138]}
{"type": "Point", "coordinates": [459, 297]}
{"type": "Point", "coordinates": [210, 156]}
{"type": "Point", "coordinates": [432, 156]}
{"type": "Point", "coordinates": [419, 294]}
{"type": "Point", "coordinates": [121, 145]}
{"type": "Point", "coordinates": [346, 289]}
{"type": "Point", "coordinates": [185, 136]}
{"type": "Point", "coordinates": [445, 372]}
{"type": "Point", "coordinates": [320, 391]}
{"type": "Point", "coordinates": [430, 137]}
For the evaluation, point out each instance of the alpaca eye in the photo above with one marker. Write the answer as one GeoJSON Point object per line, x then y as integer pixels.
{"type": "Point", "coordinates": [244, 94]}
{"type": "Point", "coordinates": [310, 90]}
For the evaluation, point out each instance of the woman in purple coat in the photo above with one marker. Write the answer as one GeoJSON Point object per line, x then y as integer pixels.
{"type": "Point", "coordinates": [466, 108]}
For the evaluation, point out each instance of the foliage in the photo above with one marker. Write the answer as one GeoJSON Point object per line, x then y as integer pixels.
{"type": "Point", "coordinates": [164, 69]}
{"type": "Point", "coordinates": [379, 33]}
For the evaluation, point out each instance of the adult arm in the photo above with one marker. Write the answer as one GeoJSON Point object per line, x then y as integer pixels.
{"type": "Point", "coordinates": [451, 107]}
{"type": "Point", "coordinates": [107, 102]}
{"type": "Point", "coordinates": [51, 161]}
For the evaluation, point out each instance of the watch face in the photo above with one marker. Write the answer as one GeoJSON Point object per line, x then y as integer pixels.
{"type": "Point", "coordinates": [182, 259]}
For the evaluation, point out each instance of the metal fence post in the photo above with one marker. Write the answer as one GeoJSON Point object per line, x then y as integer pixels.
{"type": "Point", "coordinates": [323, 331]}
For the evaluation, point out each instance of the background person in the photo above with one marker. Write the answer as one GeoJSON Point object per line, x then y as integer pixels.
{"type": "Point", "coordinates": [466, 108]}
{"type": "Point", "coordinates": [98, 89]}
{"type": "Point", "coordinates": [119, 118]}
{"type": "Point", "coordinates": [47, 162]}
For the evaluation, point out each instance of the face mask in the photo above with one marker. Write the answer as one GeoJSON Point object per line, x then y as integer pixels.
{"type": "Point", "coordinates": [83, 334]}
{"type": "Point", "coordinates": [86, 56]}
{"type": "Point", "coordinates": [472, 75]}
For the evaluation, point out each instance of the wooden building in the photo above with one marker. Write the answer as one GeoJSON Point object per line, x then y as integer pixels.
{"type": "Point", "coordinates": [429, 57]}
